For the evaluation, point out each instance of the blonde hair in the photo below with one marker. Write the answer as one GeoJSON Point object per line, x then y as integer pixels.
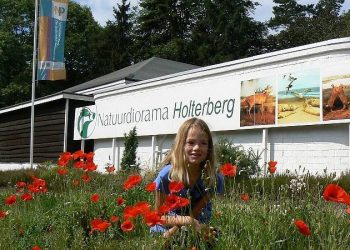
{"type": "Point", "coordinates": [177, 158]}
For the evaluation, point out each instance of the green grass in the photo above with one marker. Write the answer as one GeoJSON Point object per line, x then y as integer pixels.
{"type": "Point", "coordinates": [60, 218]}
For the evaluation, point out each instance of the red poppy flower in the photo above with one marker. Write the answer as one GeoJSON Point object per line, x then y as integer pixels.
{"type": "Point", "coordinates": [26, 197]}
{"type": "Point", "coordinates": [175, 186]}
{"type": "Point", "coordinates": [152, 218]}
{"type": "Point", "coordinates": [131, 212]}
{"type": "Point", "coordinates": [62, 171]}
{"type": "Point", "coordinates": [151, 187]}
{"type": "Point", "coordinates": [120, 201]}
{"type": "Point", "coordinates": [143, 206]}
{"type": "Point", "coordinates": [114, 219]}
{"type": "Point", "coordinates": [272, 170]}
{"type": "Point", "coordinates": [127, 226]}
{"type": "Point", "coordinates": [21, 184]}
{"type": "Point", "coordinates": [3, 214]}
{"type": "Point", "coordinates": [95, 197]}
{"type": "Point", "coordinates": [228, 170]}
{"type": "Point", "coordinates": [303, 227]}
{"type": "Point", "coordinates": [110, 169]}
{"type": "Point", "coordinates": [245, 197]}
{"type": "Point", "coordinates": [85, 177]}
{"type": "Point", "coordinates": [272, 164]}
{"type": "Point", "coordinates": [335, 193]}
{"type": "Point", "coordinates": [64, 159]}
{"type": "Point", "coordinates": [183, 202]}
{"type": "Point", "coordinates": [37, 186]}
{"type": "Point", "coordinates": [132, 181]}
{"type": "Point", "coordinates": [79, 164]}
{"type": "Point", "coordinates": [173, 201]}
{"type": "Point", "coordinates": [10, 200]}
{"type": "Point", "coordinates": [78, 154]}
{"type": "Point", "coordinates": [164, 209]}
{"type": "Point", "coordinates": [90, 166]}
{"type": "Point", "coordinates": [99, 225]}
{"type": "Point", "coordinates": [89, 156]}
{"type": "Point", "coordinates": [36, 248]}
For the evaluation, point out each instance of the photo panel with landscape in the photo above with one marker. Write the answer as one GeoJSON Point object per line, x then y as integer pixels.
{"type": "Point", "coordinates": [336, 92]}
{"type": "Point", "coordinates": [258, 102]}
{"type": "Point", "coordinates": [299, 97]}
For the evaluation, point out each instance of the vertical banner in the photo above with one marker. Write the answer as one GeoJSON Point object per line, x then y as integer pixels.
{"type": "Point", "coordinates": [52, 26]}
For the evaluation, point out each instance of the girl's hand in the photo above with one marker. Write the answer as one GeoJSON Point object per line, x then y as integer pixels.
{"type": "Point", "coordinates": [170, 232]}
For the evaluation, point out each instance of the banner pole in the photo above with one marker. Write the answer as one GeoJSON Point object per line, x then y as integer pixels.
{"type": "Point", "coordinates": [33, 84]}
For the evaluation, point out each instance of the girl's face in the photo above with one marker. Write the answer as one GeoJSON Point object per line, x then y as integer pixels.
{"type": "Point", "coordinates": [196, 146]}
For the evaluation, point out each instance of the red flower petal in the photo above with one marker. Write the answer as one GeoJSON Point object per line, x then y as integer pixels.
{"type": "Point", "coordinates": [272, 170]}
{"type": "Point", "coordinates": [151, 187]}
{"type": "Point", "coordinates": [99, 225]}
{"type": "Point", "coordinates": [3, 214]}
{"type": "Point", "coordinates": [245, 197]}
{"type": "Point", "coordinates": [120, 201]}
{"type": "Point", "coordinates": [132, 181]}
{"type": "Point", "coordinates": [335, 193]}
{"type": "Point", "coordinates": [303, 227]}
{"type": "Point", "coordinates": [114, 219]}
{"type": "Point", "coordinates": [10, 200]}
{"type": "Point", "coordinates": [26, 197]}
{"type": "Point", "coordinates": [78, 154]}
{"type": "Point", "coordinates": [20, 184]}
{"type": "Point", "coordinates": [228, 170]}
{"type": "Point", "coordinates": [110, 169]}
{"type": "Point", "coordinates": [175, 186]}
{"type": "Point", "coordinates": [95, 197]}
{"type": "Point", "coordinates": [272, 164]}
{"type": "Point", "coordinates": [152, 218]}
{"type": "Point", "coordinates": [62, 171]}
{"type": "Point", "coordinates": [127, 226]}
{"type": "Point", "coordinates": [85, 177]}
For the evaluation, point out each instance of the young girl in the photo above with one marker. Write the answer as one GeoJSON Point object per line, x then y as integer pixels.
{"type": "Point", "coordinates": [190, 161]}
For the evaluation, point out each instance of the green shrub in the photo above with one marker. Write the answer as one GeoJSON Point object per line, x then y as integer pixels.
{"type": "Point", "coordinates": [247, 161]}
{"type": "Point", "coordinates": [128, 161]}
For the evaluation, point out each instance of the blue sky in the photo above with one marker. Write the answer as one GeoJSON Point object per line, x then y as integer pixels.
{"type": "Point", "coordinates": [102, 10]}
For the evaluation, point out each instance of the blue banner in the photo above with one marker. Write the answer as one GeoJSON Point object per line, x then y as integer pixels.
{"type": "Point", "coordinates": [52, 26]}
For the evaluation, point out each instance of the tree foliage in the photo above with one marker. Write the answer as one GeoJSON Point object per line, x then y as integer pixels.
{"type": "Point", "coordinates": [119, 38]}
{"type": "Point", "coordinates": [200, 32]}
{"type": "Point", "coordinates": [131, 143]}
{"type": "Point", "coordinates": [298, 24]}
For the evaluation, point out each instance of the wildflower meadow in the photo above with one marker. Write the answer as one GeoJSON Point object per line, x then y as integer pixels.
{"type": "Point", "coordinates": [68, 205]}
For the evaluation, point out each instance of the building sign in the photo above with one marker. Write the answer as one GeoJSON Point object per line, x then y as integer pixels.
{"type": "Point", "coordinates": [294, 96]}
{"type": "Point", "coordinates": [161, 110]}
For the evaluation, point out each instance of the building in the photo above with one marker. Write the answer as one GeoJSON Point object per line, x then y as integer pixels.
{"type": "Point", "coordinates": [54, 115]}
{"type": "Point", "coordinates": [290, 105]}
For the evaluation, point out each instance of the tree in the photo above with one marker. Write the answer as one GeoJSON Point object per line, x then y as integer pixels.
{"type": "Point", "coordinates": [82, 46]}
{"type": "Point", "coordinates": [164, 28]}
{"type": "Point", "coordinates": [226, 31]}
{"type": "Point", "coordinates": [297, 24]}
{"type": "Point", "coordinates": [327, 21]}
{"type": "Point", "coordinates": [128, 161]}
{"type": "Point", "coordinates": [119, 37]}
{"type": "Point", "coordinates": [16, 38]}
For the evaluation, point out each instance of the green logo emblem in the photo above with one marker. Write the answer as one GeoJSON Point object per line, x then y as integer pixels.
{"type": "Point", "coordinates": [86, 122]}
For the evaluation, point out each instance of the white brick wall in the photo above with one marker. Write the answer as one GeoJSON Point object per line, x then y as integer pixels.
{"type": "Point", "coordinates": [314, 148]}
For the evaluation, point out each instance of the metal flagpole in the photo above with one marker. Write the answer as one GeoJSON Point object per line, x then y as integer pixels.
{"type": "Point", "coordinates": [33, 84]}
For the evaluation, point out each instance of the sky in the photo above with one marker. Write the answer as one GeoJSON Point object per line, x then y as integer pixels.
{"type": "Point", "coordinates": [102, 10]}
